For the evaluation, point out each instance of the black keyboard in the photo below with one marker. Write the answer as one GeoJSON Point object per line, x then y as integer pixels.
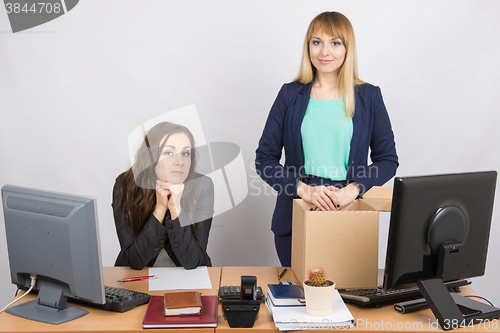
{"type": "Point", "coordinates": [233, 292]}
{"type": "Point", "coordinates": [377, 296]}
{"type": "Point", "coordinates": [122, 300]}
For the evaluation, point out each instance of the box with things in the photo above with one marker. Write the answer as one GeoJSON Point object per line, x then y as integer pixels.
{"type": "Point", "coordinates": [344, 242]}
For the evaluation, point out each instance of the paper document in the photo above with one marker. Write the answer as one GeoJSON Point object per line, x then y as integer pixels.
{"type": "Point", "coordinates": [290, 318]}
{"type": "Point", "coordinates": [174, 278]}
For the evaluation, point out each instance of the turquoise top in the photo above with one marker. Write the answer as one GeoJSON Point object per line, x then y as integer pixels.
{"type": "Point", "coordinates": [326, 139]}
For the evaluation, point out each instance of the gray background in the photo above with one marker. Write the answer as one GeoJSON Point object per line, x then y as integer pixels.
{"type": "Point", "coordinates": [73, 89]}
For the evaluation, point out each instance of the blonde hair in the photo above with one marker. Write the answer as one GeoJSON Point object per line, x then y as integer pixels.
{"type": "Point", "coordinates": [337, 25]}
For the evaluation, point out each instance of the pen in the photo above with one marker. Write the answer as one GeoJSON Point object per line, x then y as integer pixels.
{"type": "Point", "coordinates": [281, 275]}
{"type": "Point", "coordinates": [138, 278]}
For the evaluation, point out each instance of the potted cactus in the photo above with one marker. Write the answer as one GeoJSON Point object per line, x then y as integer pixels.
{"type": "Point", "coordinates": [318, 292]}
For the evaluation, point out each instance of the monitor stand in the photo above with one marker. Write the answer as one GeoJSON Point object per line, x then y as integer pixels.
{"type": "Point", "coordinates": [454, 311]}
{"type": "Point", "coordinates": [50, 306]}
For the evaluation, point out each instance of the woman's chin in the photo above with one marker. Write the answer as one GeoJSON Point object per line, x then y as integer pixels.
{"type": "Point", "coordinates": [177, 178]}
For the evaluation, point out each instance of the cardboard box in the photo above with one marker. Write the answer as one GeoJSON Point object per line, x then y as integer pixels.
{"type": "Point", "coordinates": [345, 242]}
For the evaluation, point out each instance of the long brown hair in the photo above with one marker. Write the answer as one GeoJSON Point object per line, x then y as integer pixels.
{"type": "Point", "coordinates": [137, 194]}
{"type": "Point", "coordinates": [334, 24]}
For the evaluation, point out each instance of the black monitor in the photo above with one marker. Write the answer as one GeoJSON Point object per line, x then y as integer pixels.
{"type": "Point", "coordinates": [56, 237]}
{"type": "Point", "coordinates": [439, 232]}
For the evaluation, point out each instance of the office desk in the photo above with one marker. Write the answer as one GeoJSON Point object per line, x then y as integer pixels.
{"type": "Point", "coordinates": [105, 321]}
{"type": "Point", "coordinates": [371, 319]}
{"type": "Point", "coordinates": [368, 319]}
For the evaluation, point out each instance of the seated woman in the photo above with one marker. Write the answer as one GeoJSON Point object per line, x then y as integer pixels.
{"type": "Point", "coordinates": [162, 208]}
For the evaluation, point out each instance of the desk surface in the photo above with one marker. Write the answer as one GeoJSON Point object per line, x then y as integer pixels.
{"type": "Point", "coordinates": [104, 321]}
{"type": "Point", "coordinates": [384, 319]}
{"type": "Point", "coordinates": [265, 275]}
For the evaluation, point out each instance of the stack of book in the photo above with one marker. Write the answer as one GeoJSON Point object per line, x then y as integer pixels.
{"type": "Point", "coordinates": [287, 306]}
{"type": "Point", "coordinates": [181, 310]}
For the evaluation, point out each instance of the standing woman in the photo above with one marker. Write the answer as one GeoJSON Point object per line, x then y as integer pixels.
{"type": "Point", "coordinates": [327, 120]}
{"type": "Point", "coordinates": [162, 208]}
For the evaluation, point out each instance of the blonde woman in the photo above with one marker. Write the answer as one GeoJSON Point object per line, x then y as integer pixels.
{"type": "Point", "coordinates": [327, 120]}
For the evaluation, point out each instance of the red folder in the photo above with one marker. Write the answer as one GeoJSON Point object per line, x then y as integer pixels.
{"type": "Point", "coordinates": [154, 317]}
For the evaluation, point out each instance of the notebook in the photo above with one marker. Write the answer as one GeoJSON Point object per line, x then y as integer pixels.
{"type": "Point", "coordinates": [154, 317]}
{"type": "Point", "coordinates": [183, 303]}
{"type": "Point", "coordinates": [286, 295]}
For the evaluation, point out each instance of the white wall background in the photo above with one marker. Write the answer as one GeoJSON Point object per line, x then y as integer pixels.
{"type": "Point", "coordinates": [73, 89]}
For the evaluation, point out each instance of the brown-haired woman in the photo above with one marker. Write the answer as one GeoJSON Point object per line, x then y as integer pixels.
{"type": "Point", "coordinates": [162, 208]}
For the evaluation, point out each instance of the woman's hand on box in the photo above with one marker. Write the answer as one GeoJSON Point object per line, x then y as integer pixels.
{"type": "Point", "coordinates": [343, 196]}
{"type": "Point", "coordinates": [347, 194]}
{"type": "Point", "coordinates": [322, 197]}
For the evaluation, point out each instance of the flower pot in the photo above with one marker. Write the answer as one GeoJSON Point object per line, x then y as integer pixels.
{"type": "Point", "coordinates": [319, 300]}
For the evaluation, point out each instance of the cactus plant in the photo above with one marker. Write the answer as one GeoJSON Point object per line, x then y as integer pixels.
{"type": "Point", "coordinates": [318, 292]}
{"type": "Point", "coordinates": [316, 276]}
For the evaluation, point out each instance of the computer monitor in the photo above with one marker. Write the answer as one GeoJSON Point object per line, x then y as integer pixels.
{"type": "Point", "coordinates": [56, 237]}
{"type": "Point", "coordinates": [439, 232]}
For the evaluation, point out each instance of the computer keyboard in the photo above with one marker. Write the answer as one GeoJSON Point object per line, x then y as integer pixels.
{"type": "Point", "coordinates": [377, 296]}
{"type": "Point", "coordinates": [233, 292]}
{"type": "Point", "coordinates": [122, 300]}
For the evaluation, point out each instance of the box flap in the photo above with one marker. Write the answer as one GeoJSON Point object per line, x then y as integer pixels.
{"type": "Point", "coordinates": [379, 205]}
{"type": "Point", "coordinates": [379, 198]}
{"type": "Point", "coordinates": [379, 192]}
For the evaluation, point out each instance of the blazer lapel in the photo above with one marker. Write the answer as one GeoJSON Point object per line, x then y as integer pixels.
{"type": "Point", "coordinates": [356, 127]}
{"type": "Point", "coordinates": [300, 110]}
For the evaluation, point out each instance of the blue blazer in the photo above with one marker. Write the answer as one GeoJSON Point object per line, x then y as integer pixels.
{"type": "Point", "coordinates": [371, 130]}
